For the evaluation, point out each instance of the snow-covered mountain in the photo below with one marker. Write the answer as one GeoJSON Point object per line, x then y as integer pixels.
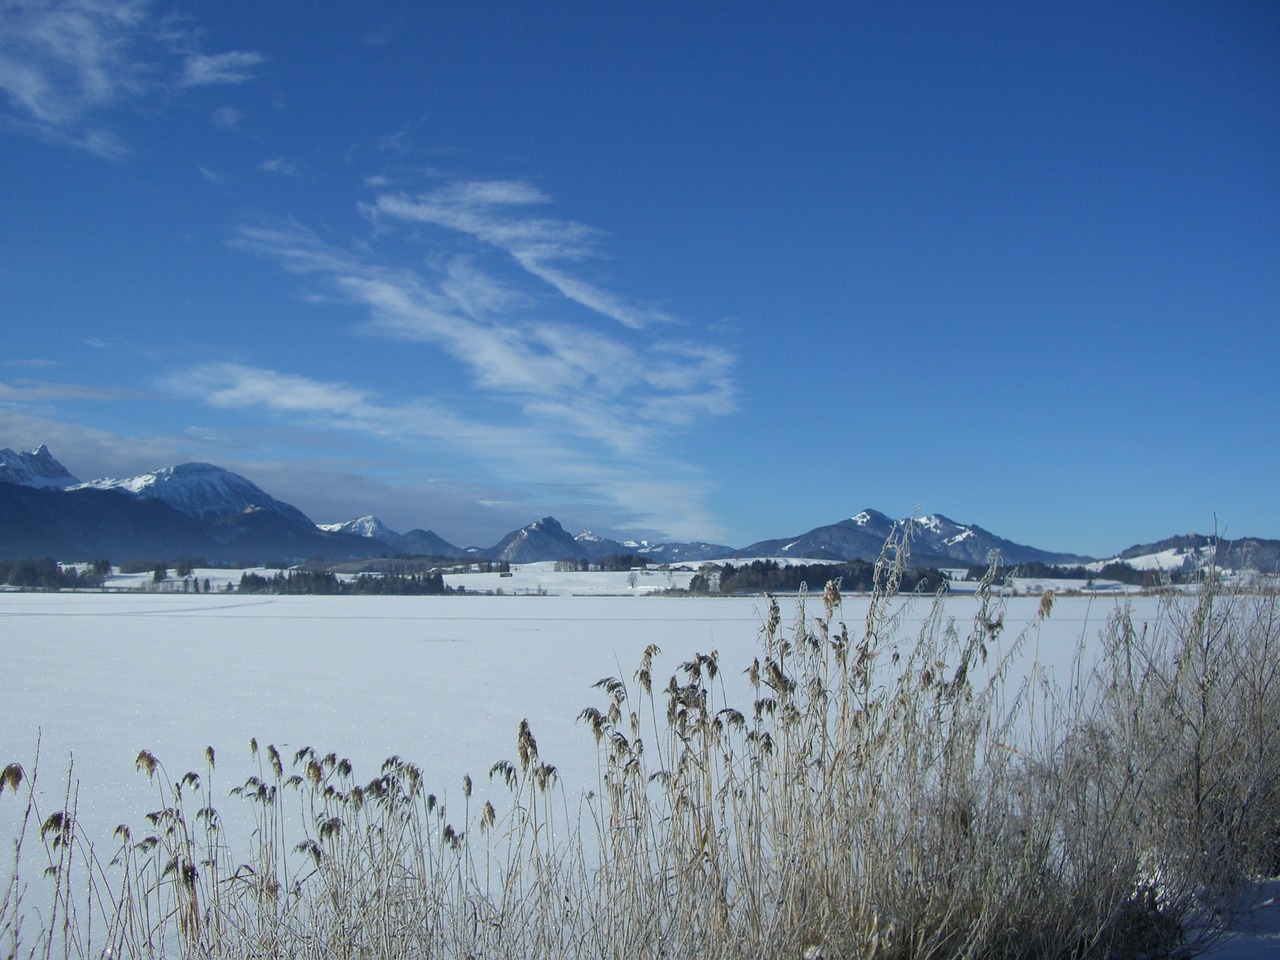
{"type": "Point", "coordinates": [200, 490]}
{"type": "Point", "coordinates": [368, 526]}
{"type": "Point", "coordinates": [34, 469]}
{"type": "Point", "coordinates": [193, 510]}
{"type": "Point", "coordinates": [1191, 552]}
{"type": "Point", "coordinates": [935, 540]}
{"type": "Point", "coordinates": [544, 539]}
{"type": "Point", "coordinates": [595, 546]}
{"type": "Point", "coordinates": [419, 542]}
{"type": "Point", "coordinates": [199, 509]}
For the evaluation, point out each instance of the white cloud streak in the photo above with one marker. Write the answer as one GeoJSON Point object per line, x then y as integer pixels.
{"type": "Point", "coordinates": [487, 211]}
{"type": "Point", "coordinates": [204, 70]}
{"type": "Point", "coordinates": [586, 405]}
{"type": "Point", "coordinates": [535, 457]}
{"type": "Point", "coordinates": [279, 165]}
{"type": "Point", "coordinates": [65, 65]}
{"type": "Point", "coordinates": [41, 391]}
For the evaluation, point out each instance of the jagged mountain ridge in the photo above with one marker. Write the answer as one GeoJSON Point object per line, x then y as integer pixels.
{"type": "Point", "coordinates": [194, 510]}
{"type": "Point", "coordinates": [544, 539]}
{"type": "Point", "coordinates": [34, 469]}
{"type": "Point", "coordinates": [201, 490]}
{"type": "Point", "coordinates": [420, 542]}
{"type": "Point", "coordinates": [199, 509]}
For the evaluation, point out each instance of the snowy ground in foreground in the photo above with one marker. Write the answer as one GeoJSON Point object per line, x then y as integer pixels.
{"type": "Point", "coordinates": [440, 681]}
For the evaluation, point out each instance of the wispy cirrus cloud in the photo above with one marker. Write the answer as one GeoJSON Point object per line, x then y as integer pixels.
{"type": "Point", "coordinates": [42, 391]}
{"type": "Point", "coordinates": [492, 212]}
{"type": "Point", "coordinates": [591, 403]}
{"type": "Point", "coordinates": [635, 383]}
{"type": "Point", "coordinates": [227, 118]}
{"type": "Point", "coordinates": [204, 70]}
{"type": "Point", "coordinates": [65, 65]}
{"type": "Point", "coordinates": [280, 165]}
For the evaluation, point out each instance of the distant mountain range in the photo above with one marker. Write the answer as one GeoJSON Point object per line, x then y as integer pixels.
{"type": "Point", "coordinates": [199, 510]}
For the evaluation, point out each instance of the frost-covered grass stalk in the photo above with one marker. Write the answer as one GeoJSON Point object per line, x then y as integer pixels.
{"type": "Point", "coordinates": [880, 795]}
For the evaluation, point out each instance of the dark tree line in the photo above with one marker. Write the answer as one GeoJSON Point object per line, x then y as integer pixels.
{"type": "Point", "coordinates": [1118, 571]}
{"type": "Point", "coordinates": [327, 583]}
{"type": "Point", "coordinates": [46, 574]}
{"type": "Point", "coordinates": [612, 562]}
{"type": "Point", "coordinates": [769, 576]}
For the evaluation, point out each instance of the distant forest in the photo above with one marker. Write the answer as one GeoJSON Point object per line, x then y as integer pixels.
{"type": "Point", "coordinates": [46, 574]}
{"type": "Point", "coordinates": [325, 582]}
{"type": "Point", "coordinates": [769, 576]}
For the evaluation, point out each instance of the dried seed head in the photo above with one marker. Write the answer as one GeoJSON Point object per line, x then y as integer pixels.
{"type": "Point", "coordinates": [466, 785]}
{"type": "Point", "coordinates": [507, 770]}
{"type": "Point", "coordinates": [59, 824]}
{"type": "Point", "coordinates": [274, 756]}
{"type": "Point", "coordinates": [596, 719]}
{"type": "Point", "coordinates": [1046, 604]}
{"type": "Point", "coordinates": [11, 776]}
{"type": "Point", "coordinates": [831, 596]}
{"type": "Point", "coordinates": [544, 775]}
{"type": "Point", "coordinates": [147, 763]}
{"type": "Point", "coordinates": [526, 746]}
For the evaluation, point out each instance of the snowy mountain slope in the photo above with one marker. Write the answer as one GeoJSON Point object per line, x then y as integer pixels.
{"type": "Point", "coordinates": [940, 536]}
{"type": "Point", "coordinates": [935, 540]}
{"type": "Point", "coordinates": [695, 551]}
{"type": "Point", "coordinates": [201, 490]}
{"type": "Point", "coordinates": [368, 526]}
{"type": "Point", "coordinates": [1191, 551]}
{"type": "Point", "coordinates": [34, 469]}
{"type": "Point", "coordinates": [241, 516]}
{"type": "Point", "coordinates": [417, 541]}
{"type": "Point", "coordinates": [427, 543]}
{"type": "Point", "coordinates": [544, 539]}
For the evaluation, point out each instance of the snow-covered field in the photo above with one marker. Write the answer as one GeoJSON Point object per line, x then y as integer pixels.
{"type": "Point", "coordinates": [440, 681]}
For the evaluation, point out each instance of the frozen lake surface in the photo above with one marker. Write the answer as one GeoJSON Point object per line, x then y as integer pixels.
{"type": "Point", "coordinates": [441, 681]}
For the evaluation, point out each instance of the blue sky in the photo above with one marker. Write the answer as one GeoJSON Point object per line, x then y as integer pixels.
{"type": "Point", "coordinates": [713, 271]}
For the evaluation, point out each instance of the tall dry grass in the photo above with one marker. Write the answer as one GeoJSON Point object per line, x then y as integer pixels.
{"type": "Point", "coordinates": [882, 794]}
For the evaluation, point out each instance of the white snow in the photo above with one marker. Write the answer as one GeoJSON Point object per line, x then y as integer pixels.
{"type": "Point", "coordinates": [1170, 560]}
{"type": "Point", "coordinates": [199, 490]}
{"type": "Point", "coordinates": [35, 469]}
{"type": "Point", "coordinates": [367, 526]}
{"type": "Point", "coordinates": [441, 681]}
